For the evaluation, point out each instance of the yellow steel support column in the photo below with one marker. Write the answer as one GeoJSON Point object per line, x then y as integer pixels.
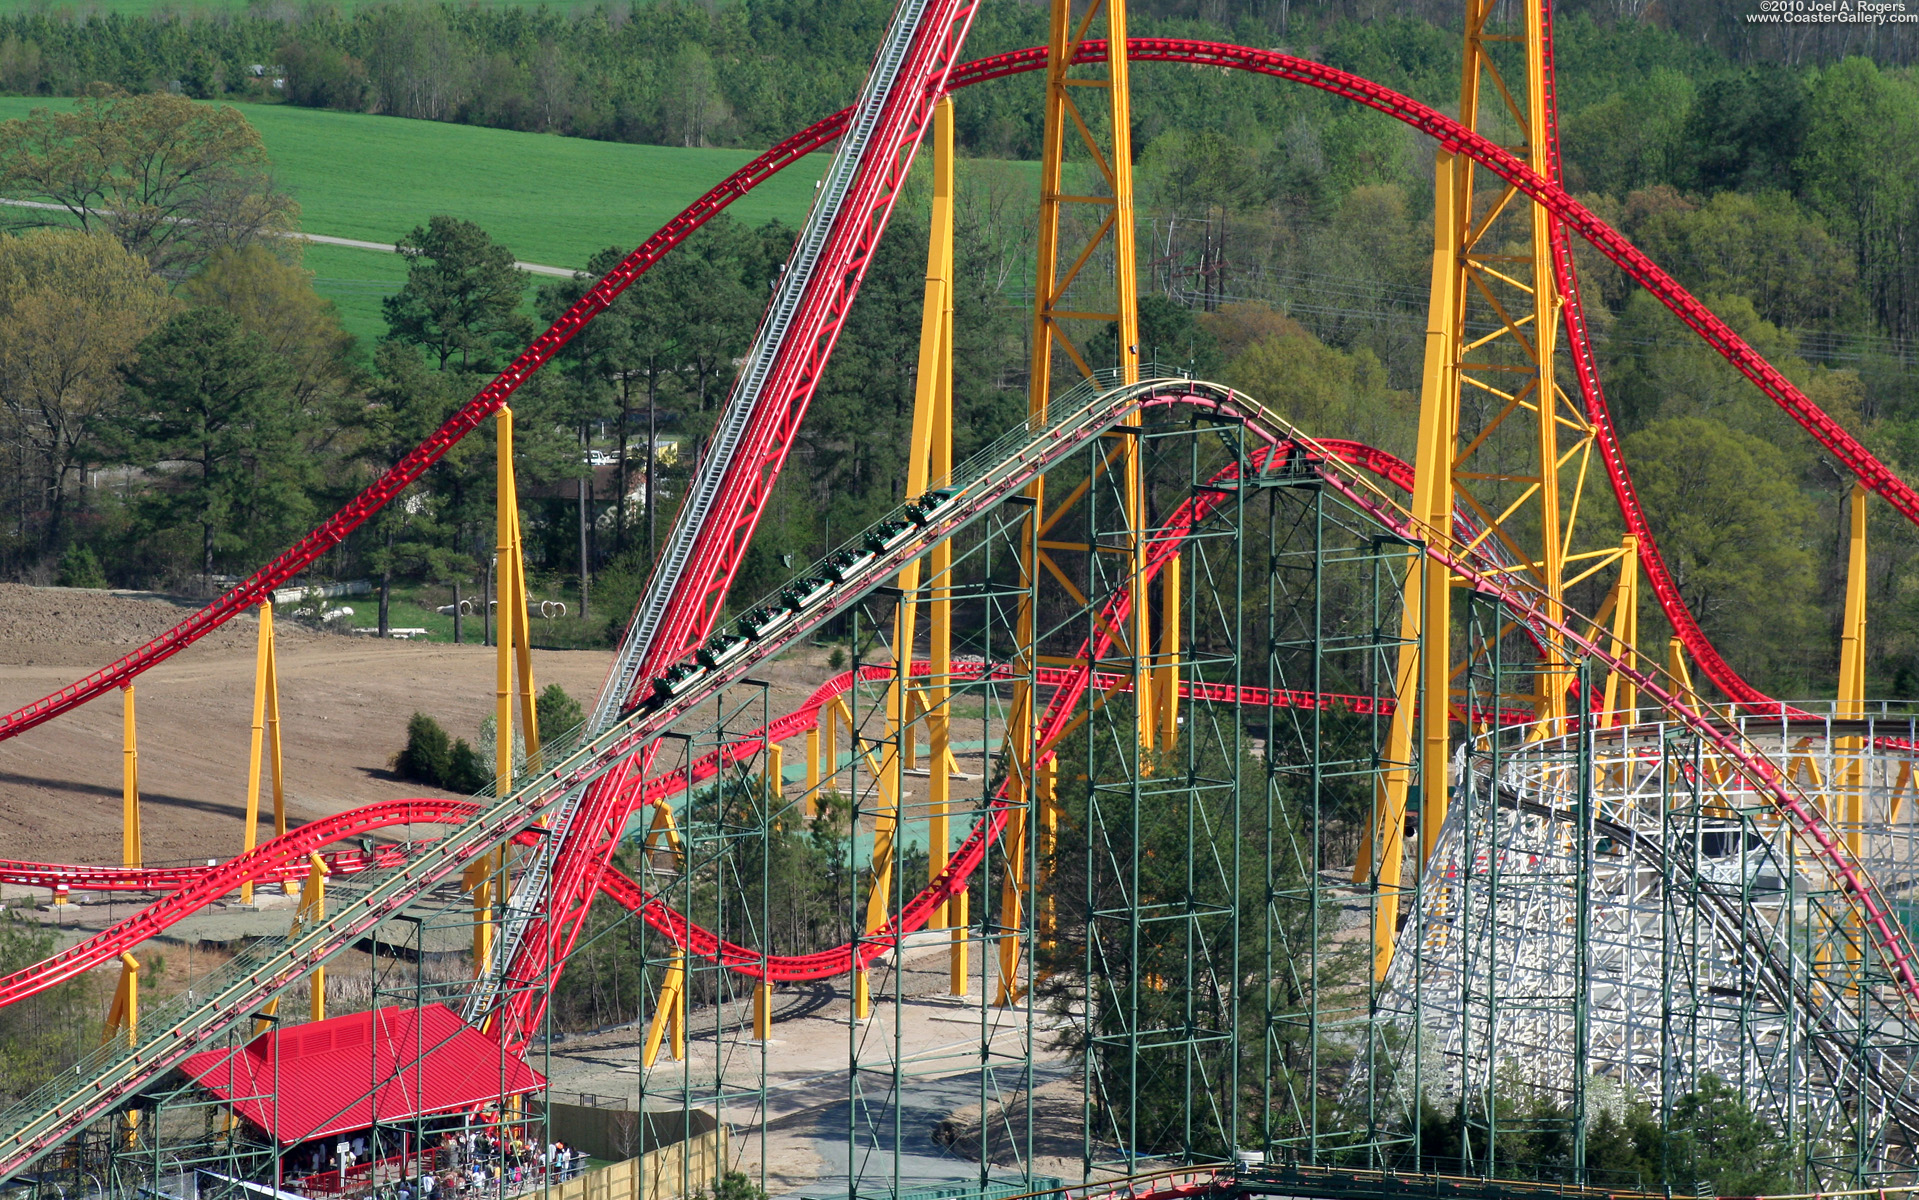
{"type": "Point", "coordinates": [486, 879]}
{"type": "Point", "coordinates": [910, 747]}
{"type": "Point", "coordinates": [313, 909]}
{"type": "Point", "coordinates": [1111, 166]}
{"type": "Point", "coordinates": [1680, 672]}
{"type": "Point", "coordinates": [664, 830]}
{"type": "Point", "coordinates": [131, 840]}
{"type": "Point", "coordinates": [886, 823]}
{"type": "Point", "coordinates": [829, 742]}
{"type": "Point", "coordinates": [1852, 637]}
{"type": "Point", "coordinates": [514, 648]}
{"type": "Point", "coordinates": [124, 1012]}
{"type": "Point", "coordinates": [480, 879]}
{"type": "Point", "coordinates": [763, 1011]}
{"type": "Point", "coordinates": [1622, 694]}
{"type": "Point", "coordinates": [669, 1014]}
{"type": "Point", "coordinates": [1048, 781]}
{"type": "Point", "coordinates": [1166, 685]}
{"type": "Point", "coordinates": [266, 735]}
{"type": "Point", "coordinates": [813, 764]}
{"type": "Point", "coordinates": [1421, 679]}
{"type": "Point", "coordinates": [1851, 705]}
{"type": "Point", "coordinates": [775, 776]}
{"type": "Point", "coordinates": [929, 461]}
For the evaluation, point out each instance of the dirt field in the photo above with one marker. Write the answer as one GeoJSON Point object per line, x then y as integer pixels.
{"type": "Point", "coordinates": [344, 702]}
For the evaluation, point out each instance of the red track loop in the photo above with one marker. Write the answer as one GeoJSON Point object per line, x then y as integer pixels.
{"type": "Point", "coordinates": [1450, 135]}
{"type": "Point", "coordinates": [291, 848]}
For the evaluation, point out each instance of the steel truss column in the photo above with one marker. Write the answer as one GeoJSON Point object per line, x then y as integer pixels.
{"type": "Point", "coordinates": [1496, 391]}
{"type": "Point", "coordinates": [929, 461]}
{"type": "Point", "coordinates": [1109, 171]}
{"type": "Point", "coordinates": [131, 852]}
{"type": "Point", "coordinates": [1161, 838]}
{"type": "Point", "coordinates": [1334, 591]}
{"type": "Point", "coordinates": [266, 735]}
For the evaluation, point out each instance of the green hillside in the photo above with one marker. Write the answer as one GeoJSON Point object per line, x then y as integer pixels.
{"type": "Point", "coordinates": [225, 9]}
{"type": "Point", "coordinates": [551, 200]}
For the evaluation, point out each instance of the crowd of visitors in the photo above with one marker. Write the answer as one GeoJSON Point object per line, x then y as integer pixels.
{"type": "Point", "coordinates": [463, 1163]}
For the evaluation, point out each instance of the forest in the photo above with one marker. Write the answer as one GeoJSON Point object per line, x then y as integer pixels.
{"type": "Point", "coordinates": [176, 404]}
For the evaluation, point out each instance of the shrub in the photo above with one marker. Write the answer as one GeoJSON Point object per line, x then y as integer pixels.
{"type": "Point", "coordinates": [464, 770]}
{"type": "Point", "coordinates": [557, 712]}
{"type": "Point", "coordinates": [80, 569]}
{"type": "Point", "coordinates": [438, 761]}
{"type": "Point", "coordinates": [428, 752]}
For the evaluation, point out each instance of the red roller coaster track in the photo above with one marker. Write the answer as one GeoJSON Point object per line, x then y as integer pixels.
{"type": "Point", "coordinates": [86, 1097]}
{"type": "Point", "coordinates": [718, 565]}
{"type": "Point", "coordinates": [285, 859]}
{"type": "Point", "coordinates": [1450, 135]}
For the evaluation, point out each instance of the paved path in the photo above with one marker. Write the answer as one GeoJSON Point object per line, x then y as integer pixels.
{"type": "Point", "coordinates": [321, 239]}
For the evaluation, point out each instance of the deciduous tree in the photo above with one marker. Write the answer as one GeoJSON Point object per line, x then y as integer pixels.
{"type": "Point", "coordinates": [275, 299]}
{"type": "Point", "coordinates": [172, 179]}
{"type": "Point", "coordinates": [73, 306]}
{"type": "Point", "coordinates": [1734, 525]}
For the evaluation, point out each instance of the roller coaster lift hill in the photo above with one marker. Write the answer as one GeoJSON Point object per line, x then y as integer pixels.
{"type": "Point", "coordinates": [1254, 704]}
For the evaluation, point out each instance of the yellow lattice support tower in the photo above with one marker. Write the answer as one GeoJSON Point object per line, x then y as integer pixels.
{"type": "Point", "coordinates": [132, 855]}
{"type": "Point", "coordinates": [1497, 435]}
{"type": "Point", "coordinates": [929, 461]}
{"type": "Point", "coordinates": [266, 738]}
{"type": "Point", "coordinates": [1108, 162]}
{"type": "Point", "coordinates": [513, 652]}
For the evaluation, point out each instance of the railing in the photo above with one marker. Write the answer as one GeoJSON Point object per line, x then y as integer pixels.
{"type": "Point", "coordinates": [228, 996]}
{"type": "Point", "coordinates": [795, 275]}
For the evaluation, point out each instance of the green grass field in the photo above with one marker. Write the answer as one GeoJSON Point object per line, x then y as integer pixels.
{"type": "Point", "coordinates": [194, 8]}
{"type": "Point", "coordinates": [549, 199]}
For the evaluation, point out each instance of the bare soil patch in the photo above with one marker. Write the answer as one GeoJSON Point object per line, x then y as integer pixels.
{"type": "Point", "coordinates": [344, 704]}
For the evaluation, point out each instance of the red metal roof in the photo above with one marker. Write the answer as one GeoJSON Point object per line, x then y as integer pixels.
{"type": "Point", "coordinates": [346, 1072]}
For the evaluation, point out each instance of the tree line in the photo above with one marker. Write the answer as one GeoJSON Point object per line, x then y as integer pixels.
{"type": "Point", "coordinates": [673, 72]}
{"type": "Point", "coordinates": [1285, 243]}
{"type": "Point", "coordinates": [177, 404]}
